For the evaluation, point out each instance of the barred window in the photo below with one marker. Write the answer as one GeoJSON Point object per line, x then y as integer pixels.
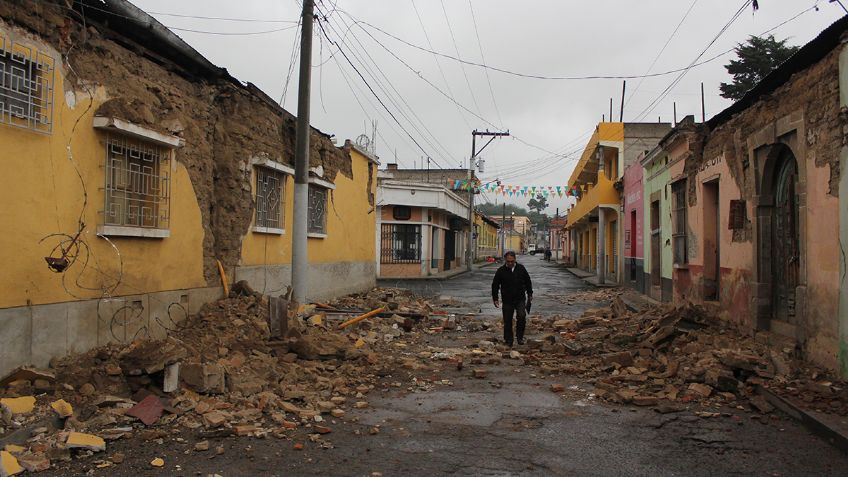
{"type": "Point", "coordinates": [270, 187]}
{"type": "Point", "coordinates": [26, 87]}
{"type": "Point", "coordinates": [137, 183]}
{"type": "Point", "coordinates": [400, 243]}
{"type": "Point", "coordinates": [678, 235]}
{"type": "Point", "coordinates": [317, 210]}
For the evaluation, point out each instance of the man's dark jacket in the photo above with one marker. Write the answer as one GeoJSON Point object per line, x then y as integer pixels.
{"type": "Point", "coordinates": [513, 284]}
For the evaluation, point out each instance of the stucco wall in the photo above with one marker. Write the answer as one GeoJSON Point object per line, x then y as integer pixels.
{"type": "Point", "coordinates": [802, 115]}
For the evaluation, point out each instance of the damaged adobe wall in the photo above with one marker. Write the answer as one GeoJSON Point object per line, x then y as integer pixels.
{"type": "Point", "coordinates": [803, 115]}
{"type": "Point", "coordinates": [223, 123]}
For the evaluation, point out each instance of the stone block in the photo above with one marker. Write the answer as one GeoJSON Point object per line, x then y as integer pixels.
{"type": "Point", "coordinates": [82, 326]}
{"type": "Point", "coordinates": [49, 333]}
{"type": "Point", "coordinates": [204, 378]}
{"type": "Point", "coordinates": [15, 338]}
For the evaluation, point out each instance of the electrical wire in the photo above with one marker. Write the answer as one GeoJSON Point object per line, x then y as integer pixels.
{"type": "Point", "coordinates": [483, 59]}
{"type": "Point", "coordinates": [248, 20]}
{"type": "Point", "coordinates": [436, 59]}
{"type": "Point", "coordinates": [433, 140]}
{"type": "Point", "coordinates": [383, 104]}
{"type": "Point", "coordinates": [461, 65]}
{"type": "Point", "coordinates": [662, 50]}
{"type": "Point", "coordinates": [655, 102]}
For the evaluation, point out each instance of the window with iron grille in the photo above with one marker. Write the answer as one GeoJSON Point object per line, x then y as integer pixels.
{"type": "Point", "coordinates": [317, 210]}
{"type": "Point", "coordinates": [270, 187]}
{"type": "Point", "coordinates": [678, 235]}
{"type": "Point", "coordinates": [26, 87]}
{"type": "Point", "coordinates": [400, 243]}
{"type": "Point", "coordinates": [137, 183]}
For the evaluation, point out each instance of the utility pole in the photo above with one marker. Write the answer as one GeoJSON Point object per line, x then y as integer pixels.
{"type": "Point", "coordinates": [300, 265]}
{"type": "Point", "coordinates": [471, 162]}
{"type": "Point", "coordinates": [503, 228]}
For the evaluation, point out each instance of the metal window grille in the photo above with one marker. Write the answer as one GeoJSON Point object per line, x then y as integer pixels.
{"type": "Point", "coordinates": [678, 235]}
{"type": "Point", "coordinates": [138, 184]}
{"type": "Point", "coordinates": [400, 243]}
{"type": "Point", "coordinates": [270, 185]}
{"type": "Point", "coordinates": [26, 87]}
{"type": "Point", "coordinates": [317, 209]}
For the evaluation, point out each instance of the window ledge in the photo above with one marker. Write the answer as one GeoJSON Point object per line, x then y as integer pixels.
{"type": "Point", "coordinates": [681, 266]}
{"type": "Point", "coordinates": [140, 132]}
{"type": "Point", "coordinates": [269, 230]}
{"type": "Point", "coordinates": [316, 235]}
{"type": "Point", "coordinates": [124, 231]}
{"type": "Point", "coordinates": [322, 182]}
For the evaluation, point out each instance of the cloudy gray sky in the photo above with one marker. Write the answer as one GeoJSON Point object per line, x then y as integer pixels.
{"type": "Point", "coordinates": [438, 101]}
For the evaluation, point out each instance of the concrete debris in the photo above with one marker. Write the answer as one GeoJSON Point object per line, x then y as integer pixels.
{"type": "Point", "coordinates": [79, 440]}
{"type": "Point", "coordinates": [9, 464]}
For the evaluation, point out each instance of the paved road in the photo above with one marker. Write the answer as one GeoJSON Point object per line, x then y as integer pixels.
{"type": "Point", "coordinates": [511, 424]}
{"type": "Point", "coordinates": [506, 424]}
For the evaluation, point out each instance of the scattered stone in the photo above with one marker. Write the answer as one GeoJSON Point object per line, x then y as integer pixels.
{"type": "Point", "coordinates": [87, 389]}
{"type": "Point", "coordinates": [361, 404]}
{"type": "Point", "coordinates": [157, 462]}
{"type": "Point", "coordinates": [201, 446]}
{"type": "Point", "coordinates": [338, 413]}
{"type": "Point", "coordinates": [557, 388]}
{"type": "Point", "coordinates": [9, 464]}
{"type": "Point", "coordinates": [63, 408]}
{"type": "Point", "coordinates": [18, 405]}
{"type": "Point", "coordinates": [148, 411]}
{"type": "Point", "coordinates": [117, 458]}
{"type": "Point", "coordinates": [78, 440]}
{"type": "Point", "coordinates": [34, 463]}
{"type": "Point", "coordinates": [479, 373]}
{"type": "Point", "coordinates": [702, 390]}
{"type": "Point", "coordinates": [761, 404]}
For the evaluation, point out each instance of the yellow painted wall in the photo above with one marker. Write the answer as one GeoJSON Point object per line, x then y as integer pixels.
{"type": "Point", "coordinates": [351, 223]}
{"type": "Point", "coordinates": [42, 194]}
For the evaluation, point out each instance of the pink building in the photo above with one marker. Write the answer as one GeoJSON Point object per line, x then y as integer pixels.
{"type": "Point", "coordinates": [633, 206]}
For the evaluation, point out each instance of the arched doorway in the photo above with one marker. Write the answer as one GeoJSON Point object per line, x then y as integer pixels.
{"type": "Point", "coordinates": [785, 237]}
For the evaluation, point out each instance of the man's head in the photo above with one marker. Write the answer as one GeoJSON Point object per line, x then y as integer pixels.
{"type": "Point", "coordinates": [509, 258]}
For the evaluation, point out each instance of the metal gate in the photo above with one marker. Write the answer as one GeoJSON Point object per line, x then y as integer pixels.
{"type": "Point", "coordinates": [785, 241]}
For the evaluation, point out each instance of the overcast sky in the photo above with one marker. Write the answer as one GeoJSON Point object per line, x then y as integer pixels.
{"type": "Point", "coordinates": [550, 120]}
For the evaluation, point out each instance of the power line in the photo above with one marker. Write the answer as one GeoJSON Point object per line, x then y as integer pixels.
{"type": "Point", "coordinates": [435, 58]}
{"type": "Point", "coordinates": [227, 19]}
{"type": "Point", "coordinates": [656, 58]}
{"type": "Point", "coordinates": [461, 66]}
{"type": "Point", "coordinates": [394, 118]}
{"type": "Point", "coordinates": [438, 145]}
{"type": "Point", "coordinates": [483, 59]}
{"type": "Point", "coordinates": [435, 143]}
{"type": "Point", "coordinates": [653, 104]}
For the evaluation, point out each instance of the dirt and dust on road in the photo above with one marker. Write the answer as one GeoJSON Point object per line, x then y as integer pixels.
{"type": "Point", "coordinates": [243, 388]}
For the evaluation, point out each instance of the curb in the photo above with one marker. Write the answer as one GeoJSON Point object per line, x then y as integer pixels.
{"type": "Point", "coordinates": [833, 436]}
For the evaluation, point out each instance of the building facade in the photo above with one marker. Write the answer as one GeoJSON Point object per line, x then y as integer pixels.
{"type": "Point", "coordinates": [135, 175]}
{"type": "Point", "coordinates": [633, 206]}
{"type": "Point", "coordinates": [422, 229]}
{"type": "Point", "coordinates": [486, 237]}
{"type": "Point", "coordinates": [594, 220]}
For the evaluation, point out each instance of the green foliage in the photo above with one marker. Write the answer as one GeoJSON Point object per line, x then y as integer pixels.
{"type": "Point", "coordinates": [538, 203]}
{"type": "Point", "coordinates": [495, 210]}
{"type": "Point", "coordinates": [757, 58]}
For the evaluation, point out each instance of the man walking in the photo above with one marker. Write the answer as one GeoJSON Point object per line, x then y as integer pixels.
{"type": "Point", "coordinates": [513, 281]}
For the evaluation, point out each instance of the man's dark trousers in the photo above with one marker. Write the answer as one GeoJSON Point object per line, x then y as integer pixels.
{"type": "Point", "coordinates": [520, 312]}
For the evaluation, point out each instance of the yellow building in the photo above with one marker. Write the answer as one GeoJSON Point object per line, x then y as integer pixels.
{"type": "Point", "coordinates": [487, 237]}
{"type": "Point", "coordinates": [127, 180]}
{"type": "Point", "coordinates": [593, 222]}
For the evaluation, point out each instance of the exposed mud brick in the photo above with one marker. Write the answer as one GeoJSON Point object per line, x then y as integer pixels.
{"type": "Point", "coordinates": [624, 358]}
{"type": "Point", "coordinates": [645, 400]}
{"type": "Point", "coordinates": [204, 378]}
{"type": "Point", "coordinates": [701, 390]}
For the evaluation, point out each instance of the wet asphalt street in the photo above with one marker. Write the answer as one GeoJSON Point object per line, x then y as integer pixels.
{"type": "Point", "coordinates": [511, 424]}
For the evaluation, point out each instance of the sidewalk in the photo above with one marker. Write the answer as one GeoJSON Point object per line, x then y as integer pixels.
{"type": "Point", "coordinates": [590, 278]}
{"type": "Point", "coordinates": [446, 275]}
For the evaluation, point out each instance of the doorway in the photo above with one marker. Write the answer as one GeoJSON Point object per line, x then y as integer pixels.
{"type": "Point", "coordinates": [785, 239]}
{"type": "Point", "coordinates": [450, 238]}
{"type": "Point", "coordinates": [633, 232]}
{"type": "Point", "coordinates": [656, 268]}
{"type": "Point", "coordinates": [712, 244]}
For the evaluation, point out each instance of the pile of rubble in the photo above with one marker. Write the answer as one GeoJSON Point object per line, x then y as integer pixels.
{"type": "Point", "coordinates": [666, 356]}
{"type": "Point", "coordinates": [245, 365]}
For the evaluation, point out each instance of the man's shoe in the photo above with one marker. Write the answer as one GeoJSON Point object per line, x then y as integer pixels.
{"type": "Point", "coordinates": [521, 341]}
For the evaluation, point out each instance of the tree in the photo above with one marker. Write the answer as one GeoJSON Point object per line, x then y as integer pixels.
{"type": "Point", "coordinates": [538, 204]}
{"type": "Point", "coordinates": [757, 58]}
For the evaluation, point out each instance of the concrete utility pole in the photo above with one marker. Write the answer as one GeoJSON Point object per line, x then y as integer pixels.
{"type": "Point", "coordinates": [300, 221]}
{"type": "Point", "coordinates": [492, 135]}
